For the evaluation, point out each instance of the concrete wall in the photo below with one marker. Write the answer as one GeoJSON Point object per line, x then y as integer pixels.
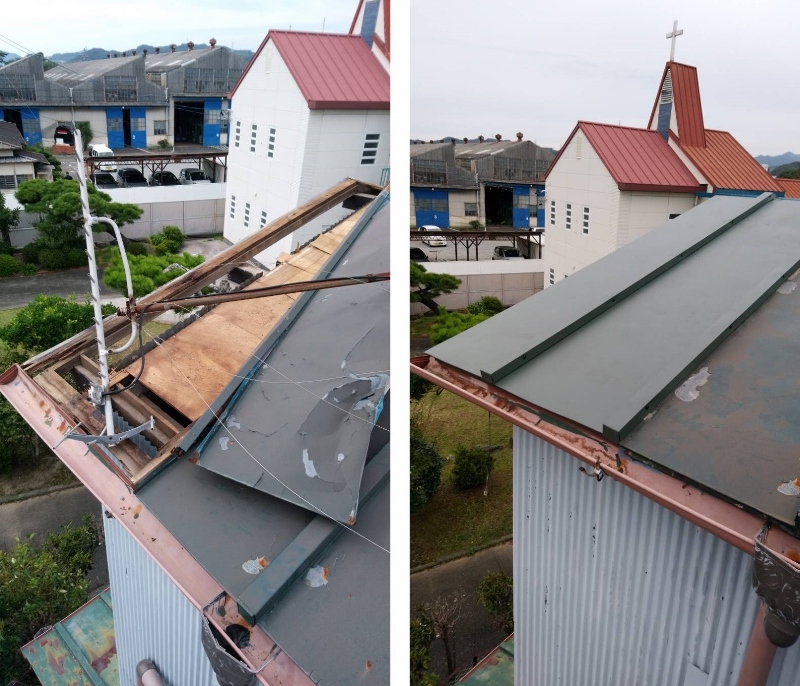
{"type": "Point", "coordinates": [510, 281]}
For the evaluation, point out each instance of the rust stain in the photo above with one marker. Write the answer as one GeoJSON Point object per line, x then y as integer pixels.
{"type": "Point", "coordinates": [137, 511]}
{"type": "Point", "coordinates": [56, 665]}
{"type": "Point", "coordinates": [100, 663]}
{"type": "Point", "coordinates": [43, 642]}
{"type": "Point", "coordinates": [793, 555]}
{"type": "Point", "coordinates": [351, 521]}
{"type": "Point", "coordinates": [325, 571]}
{"type": "Point", "coordinates": [369, 665]}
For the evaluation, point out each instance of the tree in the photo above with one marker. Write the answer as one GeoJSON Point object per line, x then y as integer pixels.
{"type": "Point", "coordinates": [51, 158]}
{"type": "Point", "coordinates": [49, 64]}
{"type": "Point", "coordinates": [18, 441]}
{"type": "Point", "coordinates": [496, 594]}
{"type": "Point", "coordinates": [444, 613]}
{"type": "Point", "coordinates": [8, 220]}
{"type": "Point", "coordinates": [421, 639]}
{"type": "Point", "coordinates": [47, 321]}
{"type": "Point", "coordinates": [426, 467]}
{"type": "Point", "coordinates": [471, 467]}
{"type": "Point", "coordinates": [430, 286]}
{"type": "Point", "coordinates": [58, 203]}
{"type": "Point", "coordinates": [40, 586]}
{"type": "Point", "coordinates": [789, 174]}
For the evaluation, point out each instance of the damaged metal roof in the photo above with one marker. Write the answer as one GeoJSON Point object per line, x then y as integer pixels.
{"type": "Point", "coordinates": [688, 334]}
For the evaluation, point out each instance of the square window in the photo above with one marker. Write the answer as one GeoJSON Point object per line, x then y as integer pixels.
{"type": "Point", "coordinates": [470, 209]}
{"type": "Point", "coordinates": [233, 207]}
{"type": "Point", "coordinates": [160, 127]}
{"type": "Point", "coordinates": [263, 218]}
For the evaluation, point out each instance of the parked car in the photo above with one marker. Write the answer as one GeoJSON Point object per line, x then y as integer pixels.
{"type": "Point", "coordinates": [189, 176]}
{"type": "Point", "coordinates": [104, 180]}
{"type": "Point", "coordinates": [418, 255]}
{"type": "Point", "coordinates": [164, 178]}
{"type": "Point", "coordinates": [434, 241]}
{"type": "Point", "coordinates": [130, 177]}
{"type": "Point", "coordinates": [98, 150]}
{"type": "Point", "coordinates": [502, 252]}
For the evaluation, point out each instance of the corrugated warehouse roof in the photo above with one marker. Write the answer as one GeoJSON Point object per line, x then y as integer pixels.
{"type": "Point", "coordinates": [76, 73]}
{"type": "Point", "coordinates": [167, 61]}
{"type": "Point", "coordinates": [728, 166]}
{"type": "Point", "coordinates": [637, 159]}
{"type": "Point", "coordinates": [333, 71]}
{"type": "Point", "coordinates": [638, 347]}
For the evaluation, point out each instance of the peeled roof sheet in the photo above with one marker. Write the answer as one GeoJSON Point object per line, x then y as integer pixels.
{"type": "Point", "coordinates": [639, 159]}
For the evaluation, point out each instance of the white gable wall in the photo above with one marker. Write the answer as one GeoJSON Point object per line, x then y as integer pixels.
{"type": "Point", "coordinates": [646, 211]}
{"type": "Point", "coordinates": [611, 588]}
{"type": "Point", "coordinates": [581, 179]}
{"type": "Point", "coordinates": [269, 98]}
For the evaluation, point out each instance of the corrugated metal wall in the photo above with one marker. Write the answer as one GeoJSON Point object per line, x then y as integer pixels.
{"type": "Point", "coordinates": [152, 618]}
{"type": "Point", "coordinates": [612, 589]}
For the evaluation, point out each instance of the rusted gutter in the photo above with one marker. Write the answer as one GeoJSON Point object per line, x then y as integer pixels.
{"type": "Point", "coordinates": [49, 421]}
{"type": "Point", "coordinates": [759, 656]}
{"type": "Point", "coordinates": [722, 519]}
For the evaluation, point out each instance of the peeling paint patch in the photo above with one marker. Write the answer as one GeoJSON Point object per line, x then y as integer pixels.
{"type": "Point", "coordinates": [317, 576]}
{"type": "Point", "coordinates": [340, 457]}
{"type": "Point", "coordinates": [225, 442]}
{"type": "Point", "coordinates": [687, 391]}
{"type": "Point", "coordinates": [365, 404]}
{"type": "Point", "coordinates": [232, 423]}
{"type": "Point", "coordinates": [649, 416]}
{"type": "Point", "coordinates": [787, 287]}
{"type": "Point", "coordinates": [344, 364]}
{"type": "Point", "coordinates": [255, 566]}
{"type": "Point", "coordinates": [308, 463]}
{"type": "Point", "coordinates": [790, 487]}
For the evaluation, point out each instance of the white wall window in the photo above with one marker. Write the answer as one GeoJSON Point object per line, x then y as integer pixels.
{"type": "Point", "coordinates": [237, 134]}
{"type": "Point", "coordinates": [233, 207]}
{"type": "Point", "coordinates": [271, 144]}
{"type": "Point", "coordinates": [552, 276]}
{"type": "Point", "coordinates": [253, 137]}
{"type": "Point", "coordinates": [370, 149]}
{"type": "Point", "coordinates": [552, 213]}
{"type": "Point", "coordinates": [263, 218]}
{"type": "Point", "coordinates": [246, 214]}
{"type": "Point", "coordinates": [586, 220]}
{"type": "Point", "coordinates": [470, 209]}
{"type": "Point", "coordinates": [160, 127]}
{"type": "Point", "coordinates": [569, 217]}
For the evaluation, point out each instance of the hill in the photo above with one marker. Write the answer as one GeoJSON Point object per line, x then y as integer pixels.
{"type": "Point", "coordinates": [773, 161]}
{"type": "Point", "coordinates": [791, 166]}
{"type": "Point", "coordinates": [100, 53]}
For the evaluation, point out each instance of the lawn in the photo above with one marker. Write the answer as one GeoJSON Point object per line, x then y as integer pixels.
{"type": "Point", "coordinates": [7, 315]}
{"type": "Point", "coordinates": [461, 521]}
{"type": "Point", "coordinates": [421, 325]}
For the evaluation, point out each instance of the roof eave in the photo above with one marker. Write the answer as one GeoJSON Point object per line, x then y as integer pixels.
{"type": "Point", "coordinates": [346, 105]}
{"type": "Point", "coordinates": [720, 518]}
{"type": "Point", "coordinates": [656, 188]}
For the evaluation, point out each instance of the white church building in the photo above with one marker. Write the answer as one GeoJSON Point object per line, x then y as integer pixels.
{"type": "Point", "coordinates": [310, 110]}
{"type": "Point", "coordinates": [612, 184]}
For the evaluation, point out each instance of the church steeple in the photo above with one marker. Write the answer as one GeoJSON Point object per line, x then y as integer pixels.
{"type": "Point", "coordinates": [677, 108]}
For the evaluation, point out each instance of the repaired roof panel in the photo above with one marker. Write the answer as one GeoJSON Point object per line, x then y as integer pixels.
{"type": "Point", "coordinates": [299, 428]}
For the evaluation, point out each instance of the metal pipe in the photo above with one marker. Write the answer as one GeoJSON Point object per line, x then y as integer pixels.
{"type": "Point", "coordinates": [759, 656]}
{"type": "Point", "coordinates": [283, 289]}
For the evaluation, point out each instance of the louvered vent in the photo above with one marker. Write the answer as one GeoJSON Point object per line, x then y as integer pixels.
{"type": "Point", "coordinates": [666, 90]}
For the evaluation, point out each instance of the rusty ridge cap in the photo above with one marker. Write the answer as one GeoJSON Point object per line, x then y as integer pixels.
{"type": "Point", "coordinates": [720, 518]}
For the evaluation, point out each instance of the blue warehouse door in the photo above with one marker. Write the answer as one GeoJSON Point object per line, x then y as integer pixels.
{"type": "Point", "coordinates": [31, 129]}
{"type": "Point", "coordinates": [521, 217]}
{"type": "Point", "coordinates": [116, 134]}
{"type": "Point", "coordinates": [540, 208]}
{"type": "Point", "coordinates": [138, 127]}
{"type": "Point", "coordinates": [211, 121]}
{"type": "Point", "coordinates": [431, 207]}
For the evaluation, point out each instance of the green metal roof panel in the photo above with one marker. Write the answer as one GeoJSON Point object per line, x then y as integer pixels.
{"type": "Point", "coordinates": [80, 650]}
{"type": "Point", "coordinates": [496, 669]}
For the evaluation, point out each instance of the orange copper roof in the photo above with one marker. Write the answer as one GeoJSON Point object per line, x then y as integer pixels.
{"type": "Point", "coordinates": [727, 165]}
{"type": "Point", "coordinates": [637, 159]}
{"type": "Point", "coordinates": [791, 187]}
{"type": "Point", "coordinates": [686, 99]}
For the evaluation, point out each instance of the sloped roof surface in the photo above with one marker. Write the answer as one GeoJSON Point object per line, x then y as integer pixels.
{"type": "Point", "coordinates": [167, 61]}
{"type": "Point", "coordinates": [791, 187]}
{"type": "Point", "coordinates": [76, 73]}
{"type": "Point", "coordinates": [686, 99]}
{"type": "Point", "coordinates": [727, 165]}
{"type": "Point", "coordinates": [606, 346]}
{"type": "Point", "coordinates": [10, 137]}
{"type": "Point", "coordinates": [333, 71]}
{"type": "Point", "coordinates": [638, 159]}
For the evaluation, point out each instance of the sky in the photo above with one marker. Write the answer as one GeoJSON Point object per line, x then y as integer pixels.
{"type": "Point", "coordinates": [539, 67]}
{"type": "Point", "coordinates": [123, 24]}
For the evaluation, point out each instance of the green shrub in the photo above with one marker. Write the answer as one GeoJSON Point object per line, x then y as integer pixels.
{"type": "Point", "coordinates": [136, 249]}
{"type": "Point", "coordinates": [471, 467]}
{"type": "Point", "coordinates": [147, 271]}
{"type": "Point", "coordinates": [40, 586]}
{"type": "Point", "coordinates": [28, 269]}
{"type": "Point", "coordinates": [426, 468]}
{"type": "Point", "coordinates": [164, 144]}
{"type": "Point", "coordinates": [496, 594]}
{"type": "Point", "coordinates": [168, 241]}
{"type": "Point", "coordinates": [30, 252]}
{"type": "Point", "coordinates": [86, 132]}
{"type": "Point", "coordinates": [419, 386]}
{"type": "Point", "coordinates": [53, 259]}
{"type": "Point", "coordinates": [8, 265]}
{"type": "Point", "coordinates": [453, 323]}
{"type": "Point", "coordinates": [6, 248]}
{"type": "Point", "coordinates": [421, 636]}
{"type": "Point", "coordinates": [76, 257]}
{"type": "Point", "coordinates": [488, 304]}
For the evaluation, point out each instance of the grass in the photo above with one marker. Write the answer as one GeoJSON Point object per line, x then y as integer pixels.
{"type": "Point", "coordinates": [457, 521]}
{"type": "Point", "coordinates": [7, 315]}
{"type": "Point", "coordinates": [421, 325]}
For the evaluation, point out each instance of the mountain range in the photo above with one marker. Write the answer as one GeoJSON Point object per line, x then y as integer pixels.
{"type": "Point", "coordinates": [777, 160]}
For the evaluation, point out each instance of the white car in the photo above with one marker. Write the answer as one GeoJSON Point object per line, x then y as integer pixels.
{"type": "Point", "coordinates": [502, 252]}
{"type": "Point", "coordinates": [189, 177]}
{"type": "Point", "coordinates": [434, 241]}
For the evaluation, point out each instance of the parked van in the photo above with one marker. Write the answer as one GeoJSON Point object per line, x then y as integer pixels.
{"type": "Point", "coordinates": [100, 150]}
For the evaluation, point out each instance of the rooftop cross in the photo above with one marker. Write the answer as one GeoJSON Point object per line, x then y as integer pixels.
{"type": "Point", "coordinates": [673, 35]}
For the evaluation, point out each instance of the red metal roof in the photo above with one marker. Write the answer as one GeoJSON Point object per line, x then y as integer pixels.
{"type": "Point", "coordinates": [686, 98]}
{"type": "Point", "coordinates": [727, 165]}
{"type": "Point", "coordinates": [333, 71]}
{"type": "Point", "coordinates": [791, 187]}
{"type": "Point", "coordinates": [637, 159]}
